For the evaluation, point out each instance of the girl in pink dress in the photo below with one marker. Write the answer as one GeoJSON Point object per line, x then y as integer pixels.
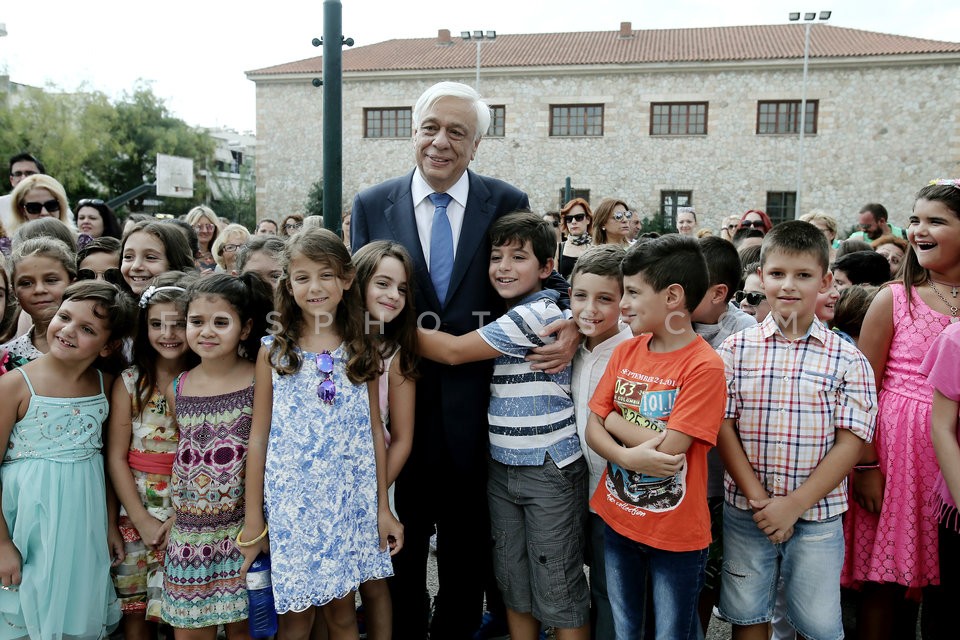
{"type": "Point", "coordinates": [892, 527]}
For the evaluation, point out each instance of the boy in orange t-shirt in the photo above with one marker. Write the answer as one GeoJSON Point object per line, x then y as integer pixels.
{"type": "Point", "coordinates": [669, 384]}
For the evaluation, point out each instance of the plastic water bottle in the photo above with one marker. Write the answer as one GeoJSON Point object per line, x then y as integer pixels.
{"type": "Point", "coordinates": [263, 613]}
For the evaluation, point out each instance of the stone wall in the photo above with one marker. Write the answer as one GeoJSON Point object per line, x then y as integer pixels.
{"type": "Point", "coordinates": [884, 129]}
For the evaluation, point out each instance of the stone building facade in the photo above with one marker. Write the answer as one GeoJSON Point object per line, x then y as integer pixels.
{"type": "Point", "coordinates": [887, 117]}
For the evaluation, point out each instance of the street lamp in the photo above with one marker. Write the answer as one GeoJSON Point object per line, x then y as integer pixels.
{"type": "Point", "coordinates": [479, 37]}
{"type": "Point", "coordinates": [808, 19]}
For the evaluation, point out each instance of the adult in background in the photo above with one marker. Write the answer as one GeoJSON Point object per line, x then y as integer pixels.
{"type": "Point", "coordinates": [729, 227]}
{"type": "Point", "coordinates": [828, 227]}
{"type": "Point", "coordinates": [756, 220]}
{"type": "Point", "coordinates": [291, 224]}
{"type": "Point", "coordinates": [894, 249]}
{"type": "Point", "coordinates": [225, 247]}
{"type": "Point", "coordinates": [206, 223]}
{"type": "Point", "coordinates": [687, 221]}
{"type": "Point", "coordinates": [22, 165]}
{"type": "Point", "coordinates": [267, 227]}
{"type": "Point", "coordinates": [37, 196]}
{"type": "Point", "coordinates": [611, 222]}
{"type": "Point", "coordinates": [441, 213]}
{"type": "Point", "coordinates": [576, 219]}
{"type": "Point", "coordinates": [95, 218]}
{"type": "Point", "coordinates": [873, 224]}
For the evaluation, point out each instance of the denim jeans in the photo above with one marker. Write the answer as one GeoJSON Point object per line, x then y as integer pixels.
{"type": "Point", "coordinates": [809, 564]}
{"type": "Point", "coordinates": [675, 578]}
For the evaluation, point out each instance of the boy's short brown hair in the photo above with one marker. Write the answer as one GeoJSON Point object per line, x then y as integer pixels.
{"type": "Point", "coordinates": [796, 237]}
{"type": "Point", "coordinates": [521, 226]}
{"type": "Point", "coordinates": [601, 261]}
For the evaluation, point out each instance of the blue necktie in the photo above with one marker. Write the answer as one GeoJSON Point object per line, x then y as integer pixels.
{"type": "Point", "coordinates": [441, 246]}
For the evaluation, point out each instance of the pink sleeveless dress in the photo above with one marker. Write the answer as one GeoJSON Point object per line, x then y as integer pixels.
{"type": "Point", "coordinates": [899, 545]}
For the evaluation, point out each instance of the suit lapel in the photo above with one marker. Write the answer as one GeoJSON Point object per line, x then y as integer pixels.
{"type": "Point", "coordinates": [473, 234]}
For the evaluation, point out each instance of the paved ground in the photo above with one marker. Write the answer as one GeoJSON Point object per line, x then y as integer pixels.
{"type": "Point", "coordinates": [719, 630]}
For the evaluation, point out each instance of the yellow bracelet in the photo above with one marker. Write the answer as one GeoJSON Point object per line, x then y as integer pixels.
{"type": "Point", "coordinates": [260, 537]}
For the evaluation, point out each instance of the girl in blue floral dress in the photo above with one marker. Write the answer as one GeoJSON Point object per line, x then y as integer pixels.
{"type": "Point", "coordinates": [316, 465]}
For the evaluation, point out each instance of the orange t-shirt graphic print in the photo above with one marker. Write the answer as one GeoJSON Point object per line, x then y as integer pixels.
{"type": "Point", "coordinates": [646, 409]}
{"type": "Point", "coordinates": [683, 391]}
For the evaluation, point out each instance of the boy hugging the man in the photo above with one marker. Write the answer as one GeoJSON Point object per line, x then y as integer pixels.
{"type": "Point", "coordinates": [800, 404]}
{"type": "Point", "coordinates": [665, 385]}
{"type": "Point", "coordinates": [537, 485]}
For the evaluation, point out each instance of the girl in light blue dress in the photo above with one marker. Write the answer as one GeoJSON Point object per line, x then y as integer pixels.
{"type": "Point", "coordinates": [54, 558]}
{"type": "Point", "coordinates": [316, 460]}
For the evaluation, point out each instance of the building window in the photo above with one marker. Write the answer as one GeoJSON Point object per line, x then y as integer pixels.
{"type": "Point", "coordinates": [678, 118]}
{"type": "Point", "coordinates": [576, 120]}
{"type": "Point", "coordinates": [670, 201]}
{"type": "Point", "coordinates": [498, 121]}
{"type": "Point", "coordinates": [393, 122]}
{"type": "Point", "coordinates": [781, 205]}
{"type": "Point", "coordinates": [783, 116]}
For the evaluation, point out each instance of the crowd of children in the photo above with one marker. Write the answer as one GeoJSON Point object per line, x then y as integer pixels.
{"type": "Point", "coordinates": [271, 411]}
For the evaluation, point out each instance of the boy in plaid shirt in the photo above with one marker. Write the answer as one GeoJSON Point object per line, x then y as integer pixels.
{"type": "Point", "coordinates": [800, 404]}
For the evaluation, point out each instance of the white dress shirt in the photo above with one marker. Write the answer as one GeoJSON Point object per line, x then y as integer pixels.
{"type": "Point", "coordinates": [423, 210]}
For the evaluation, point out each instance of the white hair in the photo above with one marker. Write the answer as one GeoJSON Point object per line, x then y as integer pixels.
{"type": "Point", "coordinates": [453, 90]}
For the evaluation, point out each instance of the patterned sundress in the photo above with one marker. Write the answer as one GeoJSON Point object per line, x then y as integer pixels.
{"type": "Point", "coordinates": [899, 545]}
{"type": "Point", "coordinates": [153, 443]}
{"type": "Point", "coordinates": [202, 584]}
{"type": "Point", "coordinates": [320, 489]}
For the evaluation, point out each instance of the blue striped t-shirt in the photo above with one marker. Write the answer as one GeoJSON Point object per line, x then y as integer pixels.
{"type": "Point", "coordinates": [530, 412]}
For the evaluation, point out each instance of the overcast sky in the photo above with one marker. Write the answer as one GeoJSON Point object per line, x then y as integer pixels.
{"type": "Point", "coordinates": [194, 53]}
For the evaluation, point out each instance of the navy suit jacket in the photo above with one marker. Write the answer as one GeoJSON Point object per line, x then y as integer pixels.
{"type": "Point", "coordinates": [451, 401]}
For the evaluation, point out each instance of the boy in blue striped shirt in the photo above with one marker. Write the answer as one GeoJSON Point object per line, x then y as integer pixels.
{"type": "Point", "coordinates": [537, 485]}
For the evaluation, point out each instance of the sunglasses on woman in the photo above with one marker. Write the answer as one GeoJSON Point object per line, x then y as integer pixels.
{"type": "Point", "coordinates": [33, 208]}
{"type": "Point", "coordinates": [574, 217]}
{"type": "Point", "coordinates": [622, 215]}
{"type": "Point", "coordinates": [756, 224]}
{"type": "Point", "coordinates": [112, 275]}
{"type": "Point", "coordinates": [753, 298]}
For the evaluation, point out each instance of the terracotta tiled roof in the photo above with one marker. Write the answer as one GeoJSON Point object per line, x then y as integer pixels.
{"type": "Point", "coordinates": [713, 44]}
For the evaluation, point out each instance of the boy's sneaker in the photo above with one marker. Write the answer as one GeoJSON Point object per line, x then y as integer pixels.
{"type": "Point", "coordinates": [491, 627]}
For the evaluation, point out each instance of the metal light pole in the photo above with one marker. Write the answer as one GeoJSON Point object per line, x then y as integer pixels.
{"type": "Point", "coordinates": [808, 19]}
{"type": "Point", "coordinates": [479, 37]}
{"type": "Point", "coordinates": [332, 82]}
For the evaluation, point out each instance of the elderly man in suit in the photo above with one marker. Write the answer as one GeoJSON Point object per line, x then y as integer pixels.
{"type": "Point", "coordinates": [441, 212]}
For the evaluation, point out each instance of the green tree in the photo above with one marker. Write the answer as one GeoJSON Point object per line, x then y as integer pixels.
{"type": "Point", "coordinates": [142, 128]}
{"type": "Point", "coordinates": [314, 204]}
{"type": "Point", "coordinates": [657, 223]}
{"type": "Point", "coordinates": [236, 199]}
{"type": "Point", "coordinates": [97, 148]}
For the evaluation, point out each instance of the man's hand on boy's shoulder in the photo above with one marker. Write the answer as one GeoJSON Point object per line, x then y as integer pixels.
{"type": "Point", "coordinates": [557, 356]}
{"type": "Point", "coordinates": [776, 516]}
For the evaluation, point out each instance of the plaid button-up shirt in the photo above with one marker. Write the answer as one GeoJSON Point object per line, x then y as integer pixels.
{"type": "Point", "coordinates": [789, 397]}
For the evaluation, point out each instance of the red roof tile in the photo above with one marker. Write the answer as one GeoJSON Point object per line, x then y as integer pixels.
{"type": "Point", "coordinates": [712, 44]}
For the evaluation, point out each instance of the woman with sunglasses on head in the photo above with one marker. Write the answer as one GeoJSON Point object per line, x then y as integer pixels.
{"type": "Point", "coordinates": [576, 219]}
{"type": "Point", "coordinates": [204, 221]}
{"type": "Point", "coordinates": [95, 218]}
{"type": "Point", "coordinates": [611, 222]}
{"type": "Point", "coordinates": [290, 225]}
{"type": "Point", "coordinates": [38, 196]}
{"type": "Point", "coordinates": [755, 219]}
